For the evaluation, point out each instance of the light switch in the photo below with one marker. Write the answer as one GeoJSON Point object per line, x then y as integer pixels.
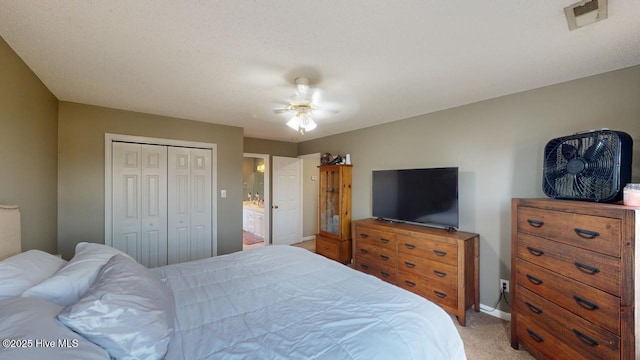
{"type": "Point", "coordinates": [223, 193]}
{"type": "Point", "coordinates": [314, 177]}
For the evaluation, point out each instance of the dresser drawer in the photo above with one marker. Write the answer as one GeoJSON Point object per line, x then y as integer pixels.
{"type": "Point", "coordinates": [600, 234]}
{"type": "Point", "coordinates": [327, 247]}
{"type": "Point", "coordinates": [383, 271]}
{"type": "Point", "coordinates": [588, 339]}
{"type": "Point", "coordinates": [429, 249]}
{"type": "Point", "coordinates": [446, 296]}
{"type": "Point", "coordinates": [594, 305]}
{"type": "Point", "coordinates": [594, 269]}
{"type": "Point", "coordinates": [430, 271]}
{"type": "Point", "coordinates": [539, 340]}
{"type": "Point", "coordinates": [376, 253]}
{"type": "Point", "coordinates": [367, 235]}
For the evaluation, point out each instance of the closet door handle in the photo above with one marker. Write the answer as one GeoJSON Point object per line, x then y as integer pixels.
{"type": "Point", "coordinates": [535, 223]}
{"type": "Point", "coordinates": [586, 234]}
{"type": "Point", "coordinates": [586, 268]}
{"type": "Point", "coordinates": [534, 251]}
{"type": "Point", "coordinates": [534, 280]}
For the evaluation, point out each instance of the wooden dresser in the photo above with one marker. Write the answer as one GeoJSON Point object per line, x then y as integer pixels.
{"type": "Point", "coordinates": [439, 265]}
{"type": "Point", "coordinates": [572, 267]}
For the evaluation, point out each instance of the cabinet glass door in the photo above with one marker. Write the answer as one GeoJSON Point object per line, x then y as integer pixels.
{"type": "Point", "coordinates": [330, 201]}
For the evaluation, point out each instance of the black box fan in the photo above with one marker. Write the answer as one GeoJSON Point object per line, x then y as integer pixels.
{"type": "Point", "coordinates": [593, 166]}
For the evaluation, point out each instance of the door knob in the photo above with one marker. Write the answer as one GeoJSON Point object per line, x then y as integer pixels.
{"type": "Point", "coordinates": [275, 206]}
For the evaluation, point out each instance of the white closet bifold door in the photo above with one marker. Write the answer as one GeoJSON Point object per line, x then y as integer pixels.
{"type": "Point", "coordinates": [139, 202]}
{"type": "Point", "coordinates": [189, 204]}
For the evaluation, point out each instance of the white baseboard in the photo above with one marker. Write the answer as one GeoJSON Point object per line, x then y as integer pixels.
{"type": "Point", "coordinates": [312, 237]}
{"type": "Point", "coordinates": [495, 312]}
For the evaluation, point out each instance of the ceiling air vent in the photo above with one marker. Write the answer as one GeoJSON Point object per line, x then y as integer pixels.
{"type": "Point", "coordinates": [584, 13]}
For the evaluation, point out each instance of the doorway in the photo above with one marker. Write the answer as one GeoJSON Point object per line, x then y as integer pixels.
{"type": "Point", "coordinates": [256, 201]}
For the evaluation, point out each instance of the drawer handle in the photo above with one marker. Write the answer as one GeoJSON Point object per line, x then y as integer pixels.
{"type": "Point", "coordinates": [384, 241]}
{"type": "Point", "coordinates": [535, 309]}
{"type": "Point", "coordinates": [535, 336]}
{"type": "Point", "coordinates": [440, 252]}
{"type": "Point", "coordinates": [409, 265]}
{"type": "Point", "coordinates": [364, 236]}
{"type": "Point", "coordinates": [535, 223]}
{"type": "Point", "coordinates": [534, 280]}
{"type": "Point", "coordinates": [385, 274]}
{"type": "Point", "coordinates": [410, 246]}
{"type": "Point", "coordinates": [439, 294]}
{"type": "Point", "coordinates": [439, 273]}
{"type": "Point", "coordinates": [586, 268]}
{"type": "Point", "coordinates": [585, 304]}
{"type": "Point", "coordinates": [584, 338]}
{"type": "Point", "coordinates": [364, 266]}
{"type": "Point", "coordinates": [364, 251]}
{"type": "Point", "coordinates": [586, 234]}
{"type": "Point", "coordinates": [410, 283]}
{"type": "Point", "coordinates": [534, 251]}
{"type": "Point", "coordinates": [384, 257]}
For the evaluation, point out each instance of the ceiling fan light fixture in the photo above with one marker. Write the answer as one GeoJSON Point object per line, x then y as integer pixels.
{"type": "Point", "coordinates": [302, 122]}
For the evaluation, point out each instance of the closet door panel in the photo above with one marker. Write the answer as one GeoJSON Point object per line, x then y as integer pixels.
{"type": "Point", "coordinates": [200, 204]}
{"type": "Point", "coordinates": [126, 230]}
{"type": "Point", "coordinates": [179, 222]}
{"type": "Point", "coordinates": [154, 205]}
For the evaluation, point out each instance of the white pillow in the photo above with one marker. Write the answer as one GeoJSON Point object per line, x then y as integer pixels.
{"type": "Point", "coordinates": [67, 285]}
{"type": "Point", "coordinates": [34, 333]}
{"type": "Point", "coordinates": [24, 270]}
{"type": "Point", "coordinates": [128, 311]}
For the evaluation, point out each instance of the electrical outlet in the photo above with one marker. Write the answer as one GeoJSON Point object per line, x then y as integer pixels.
{"type": "Point", "coordinates": [504, 285]}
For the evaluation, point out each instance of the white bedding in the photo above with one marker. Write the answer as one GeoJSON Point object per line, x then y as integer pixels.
{"type": "Point", "coordinates": [283, 302]}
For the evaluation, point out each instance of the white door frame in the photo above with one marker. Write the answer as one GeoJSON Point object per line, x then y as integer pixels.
{"type": "Point", "coordinates": [267, 194]}
{"type": "Point", "coordinates": [110, 138]}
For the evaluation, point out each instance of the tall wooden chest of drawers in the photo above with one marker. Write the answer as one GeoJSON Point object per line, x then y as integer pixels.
{"type": "Point", "coordinates": [436, 264]}
{"type": "Point", "coordinates": [572, 272]}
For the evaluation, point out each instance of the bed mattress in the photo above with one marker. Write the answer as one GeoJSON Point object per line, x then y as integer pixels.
{"type": "Point", "coordinates": [284, 302]}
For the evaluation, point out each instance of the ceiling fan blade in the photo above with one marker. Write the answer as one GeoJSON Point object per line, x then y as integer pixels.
{"type": "Point", "coordinates": [281, 111]}
{"type": "Point", "coordinates": [595, 151]}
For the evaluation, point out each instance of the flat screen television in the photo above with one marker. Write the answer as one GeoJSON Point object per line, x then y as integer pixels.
{"type": "Point", "coordinates": [422, 196]}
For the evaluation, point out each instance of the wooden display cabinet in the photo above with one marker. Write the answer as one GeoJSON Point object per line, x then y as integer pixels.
{"type": "Point", "coordinates": [334, 217]}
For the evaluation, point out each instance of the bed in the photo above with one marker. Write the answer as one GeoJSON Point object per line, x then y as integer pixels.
{"type": "Point", "coordinates": [275, 302]}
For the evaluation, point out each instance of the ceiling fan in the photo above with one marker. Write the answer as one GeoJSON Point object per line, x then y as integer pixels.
{"type": "Point", "coordinates": [302, 105]}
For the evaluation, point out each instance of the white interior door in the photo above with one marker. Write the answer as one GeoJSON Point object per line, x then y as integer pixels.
{"type": "Point", "coordinates": [140, 202]}
{"type": "Point", "coordinates": [287, 204]}
{"type": "Point", "coordinates": [189, 204]}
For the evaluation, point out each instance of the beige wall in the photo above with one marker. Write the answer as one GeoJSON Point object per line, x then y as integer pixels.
{"type": "Point", "coordinates": [28, 150]}
{"type": "Point", "coordinates": [498, 146]}
{"type": "Point", "coordinates": [310, 194]}
{"type": "Point", "coordinates": [81, 135]}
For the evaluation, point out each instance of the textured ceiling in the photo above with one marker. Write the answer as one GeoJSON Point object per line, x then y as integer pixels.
{"type": "Point", "coordinates": [232, 62]}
